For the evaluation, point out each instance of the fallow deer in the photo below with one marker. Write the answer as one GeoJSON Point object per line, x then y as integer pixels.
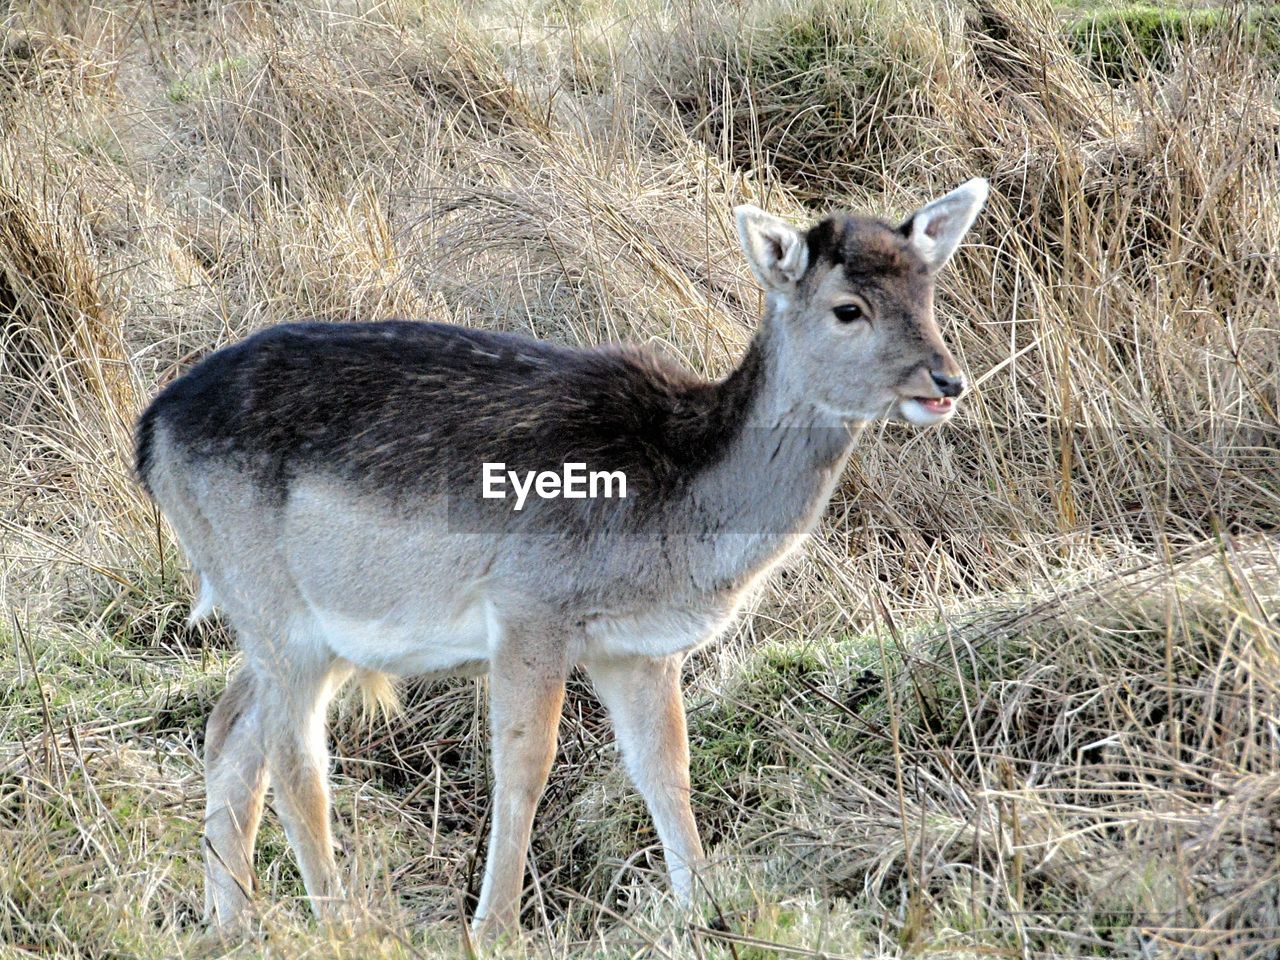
{"type": "Point", "coordinates": [325, 480]}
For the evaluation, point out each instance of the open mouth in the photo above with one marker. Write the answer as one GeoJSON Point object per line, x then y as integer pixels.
{"type": "Point", "coordinates": [926, 411]}
{"type": "Point", "coordinates": [939, 406]}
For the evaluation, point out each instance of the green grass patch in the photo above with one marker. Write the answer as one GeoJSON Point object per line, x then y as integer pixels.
{"type": "Point", "coordinates": [1122, 43]}
{"type": "Point", "coordinates": [200, 82]}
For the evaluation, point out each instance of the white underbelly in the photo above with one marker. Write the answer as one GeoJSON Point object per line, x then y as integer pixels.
{"type": "Point", "coordinates": [406, 642]}
{"type": "Point", "coordinates": [410, 641]}
{"type": "Point", "coordinates": [659, 632]}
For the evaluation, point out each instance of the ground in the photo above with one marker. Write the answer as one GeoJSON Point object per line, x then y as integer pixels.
{"type": "Point", "coordinates": [1018, 697]}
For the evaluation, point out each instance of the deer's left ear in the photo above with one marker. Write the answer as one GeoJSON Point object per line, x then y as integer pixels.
{"type": "Point", "coordinates": [936, 229]}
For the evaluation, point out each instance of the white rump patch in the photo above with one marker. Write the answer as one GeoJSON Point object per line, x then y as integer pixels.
{"type": "Point", "coordinates": [205, 603]}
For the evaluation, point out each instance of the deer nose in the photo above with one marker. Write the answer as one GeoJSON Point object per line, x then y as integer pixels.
{"type": "Point", "coordinates": [951, 386]}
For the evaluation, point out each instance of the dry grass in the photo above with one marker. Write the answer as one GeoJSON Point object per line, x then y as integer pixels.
{"type": "Point", "coordinates": [953, 728]}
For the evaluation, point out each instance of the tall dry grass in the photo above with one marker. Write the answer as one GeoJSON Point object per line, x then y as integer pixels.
{"type": "Point", "coordinates": [174, 176]}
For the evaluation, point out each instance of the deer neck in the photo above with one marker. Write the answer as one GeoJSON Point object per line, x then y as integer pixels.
{"type": "Point", "coordinates": [781, 462]}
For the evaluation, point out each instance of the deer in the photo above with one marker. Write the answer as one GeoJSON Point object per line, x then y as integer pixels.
{"type": "Point", "coordinates": [325, 482]}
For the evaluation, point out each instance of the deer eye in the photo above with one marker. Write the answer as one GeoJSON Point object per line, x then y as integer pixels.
{"type": "Point", "coordinates": [849, 312]}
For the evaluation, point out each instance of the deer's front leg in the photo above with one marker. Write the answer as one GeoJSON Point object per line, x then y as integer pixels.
{"type": "Point", "coordinates": [645, 703]}
{"type": "Point", "coordinates": [526, 693]}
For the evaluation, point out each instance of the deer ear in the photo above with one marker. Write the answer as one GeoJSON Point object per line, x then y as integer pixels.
{"type": "Point", "coordinates": [775, 250]}
{"type": "Point", "coordinates": [935, 230]}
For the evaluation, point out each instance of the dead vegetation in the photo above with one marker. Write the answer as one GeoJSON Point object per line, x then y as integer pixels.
{"type": "Point", "coordinates": [954, 728]}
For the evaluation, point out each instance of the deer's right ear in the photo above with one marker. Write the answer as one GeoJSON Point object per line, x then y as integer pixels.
{"type": "Point", "coordinates": [775, 250]}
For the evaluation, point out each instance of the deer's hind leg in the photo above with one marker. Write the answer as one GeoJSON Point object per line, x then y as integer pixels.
{"type": "Point", "coordinates": [526, 692]}
{"type": "Point", "coordinates": [294, 700]}
{"type": "Point", "coordinates": [235, 782]}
